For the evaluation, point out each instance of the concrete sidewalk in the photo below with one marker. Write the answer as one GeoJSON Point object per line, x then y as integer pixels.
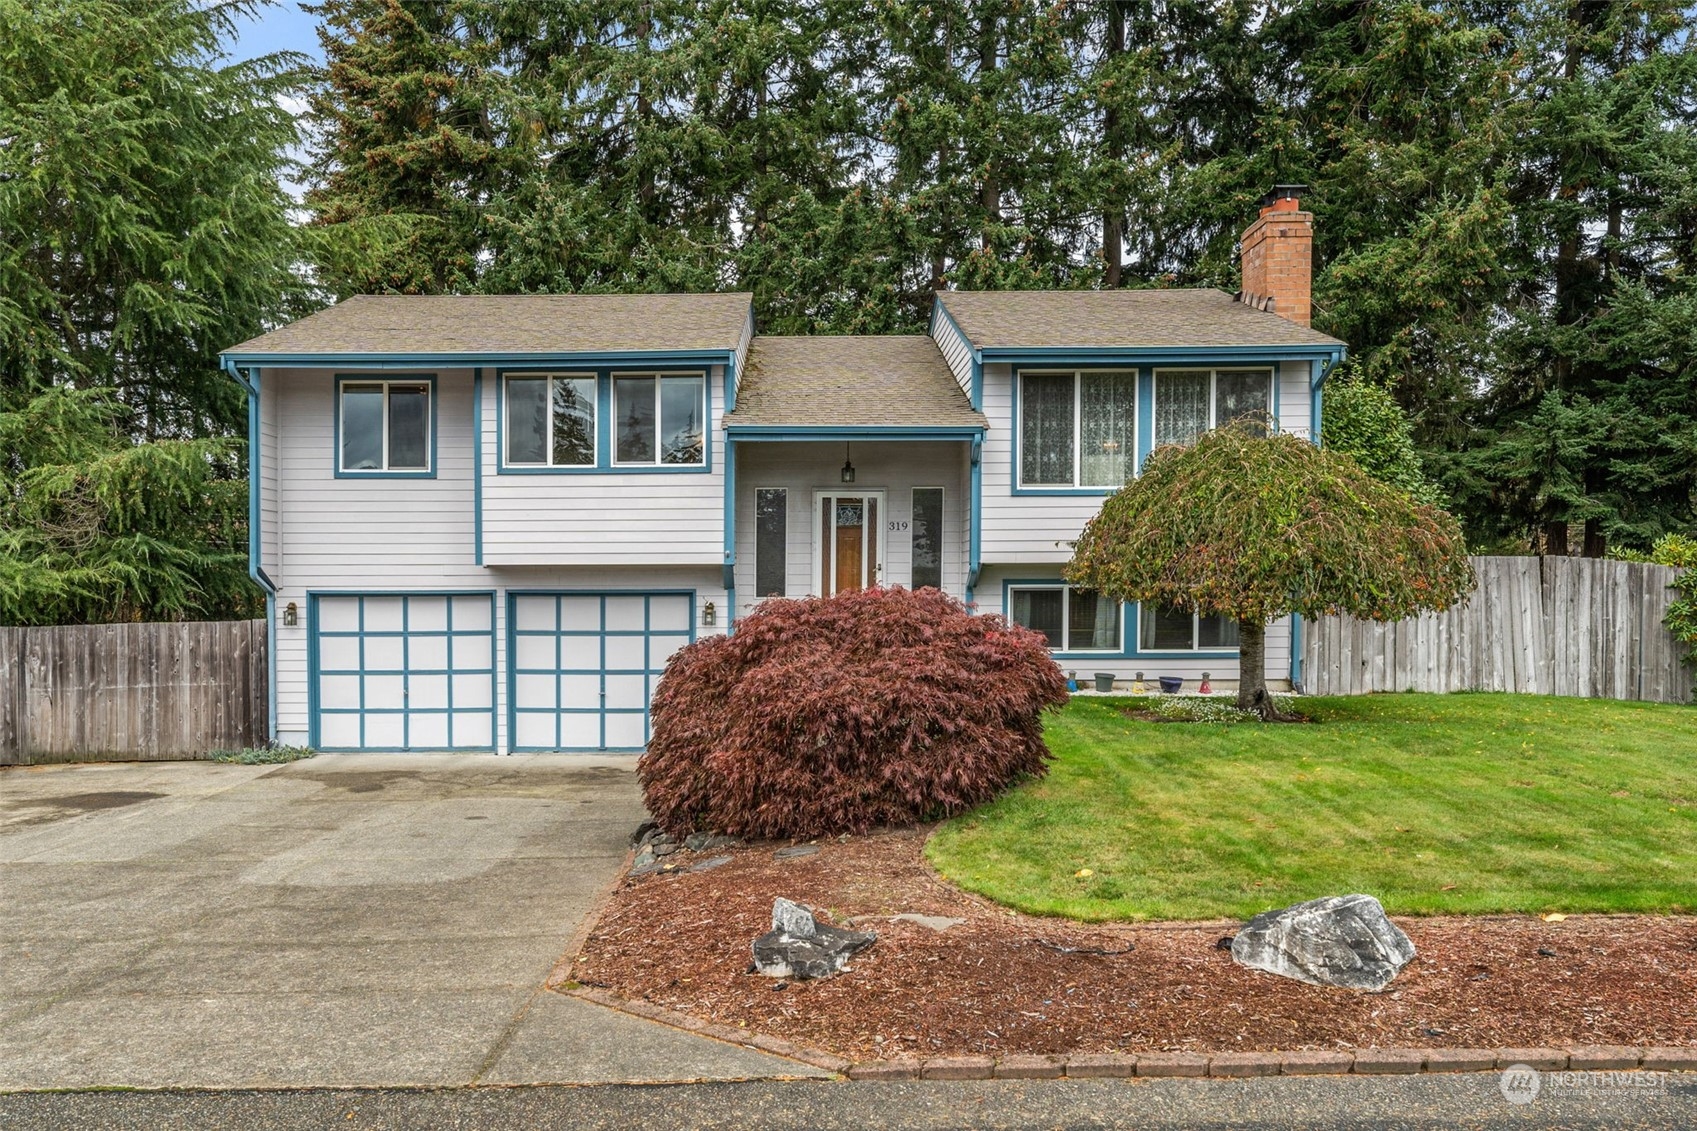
{"type": "Point", "coordinates": [373, 920]}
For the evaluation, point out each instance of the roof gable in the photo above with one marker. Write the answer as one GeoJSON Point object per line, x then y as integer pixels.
{"type": "Point", "coordinates": [850, 381]}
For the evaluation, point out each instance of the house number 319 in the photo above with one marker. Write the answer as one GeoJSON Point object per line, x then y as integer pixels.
{"type": "Point", "coordinates": [897, 525]}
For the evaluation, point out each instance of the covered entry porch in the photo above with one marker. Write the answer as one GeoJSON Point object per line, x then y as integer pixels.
{"type": "Point", "coordinates": [850, 462]}
{"type": "Point", "coordinates": [826, 515]}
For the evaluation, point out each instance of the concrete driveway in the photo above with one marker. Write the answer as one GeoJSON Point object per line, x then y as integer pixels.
{"type": "Point", "coordinates": [346, 920]}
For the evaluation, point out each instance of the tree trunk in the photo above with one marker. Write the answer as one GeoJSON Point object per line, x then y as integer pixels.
{"type": "Point", "coordinates": [989, 191]}
{"type": "Point", "coordinates": [1113, 236]}
{"type": "Point", "coordinates": [1596, 544]}
{"type": "Point", "coordinates": [1555, 539]}
{"type": "Point", "coordinates": [1252, 668]}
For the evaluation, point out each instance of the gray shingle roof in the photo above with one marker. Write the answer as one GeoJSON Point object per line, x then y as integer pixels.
{"type": "Point", "coordinates": [512, 324]}
{"type": "Point", "coordinates": [852, 380]}
{"type": "Point", "coordinates": [1126, 318]}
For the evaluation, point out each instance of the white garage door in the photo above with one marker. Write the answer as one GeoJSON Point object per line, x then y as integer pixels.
{"type": "Point", "coordinates": [404, 672]}
{"type": "Point", "coordinates": [585, 665]}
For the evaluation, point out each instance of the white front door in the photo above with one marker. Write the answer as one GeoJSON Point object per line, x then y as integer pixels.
{"type": "Point", "coordinates": [846, 542]}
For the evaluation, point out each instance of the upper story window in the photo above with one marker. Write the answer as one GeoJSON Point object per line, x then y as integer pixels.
{"type": "Point", "coordinates": [1077, 428]}
{"type": "Point", "coordinates": [1189, 402]}
{"type": "Point", "coordinates": [1074, 620]}
{"type": "Point", "coordinates": [384, 427]}
{"type": "Point", "coordinates": [659, 419]}
{"type": "Point", "coordinates": [550, 420]}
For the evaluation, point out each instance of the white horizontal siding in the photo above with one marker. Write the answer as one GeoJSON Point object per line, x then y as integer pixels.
{"type": "Point", "coordinates": [270, 529]}
{"type": "Point", "coordinates": [1295, 408]}
{"type": "Point", "coordinates": [956, 350]}
{"type": "Point", "coordinates": [989, 595]}
{"type": "Point", "coordinates": [893, 467]}
{"type": "Point", "coordinates": [1041, 528]}
{"type": "Point", "coordinates": [645, 518]}
{"type": "Point", "coordinates": [742, 345]}
{"type": "Point", "coordinates": [1021, 528]}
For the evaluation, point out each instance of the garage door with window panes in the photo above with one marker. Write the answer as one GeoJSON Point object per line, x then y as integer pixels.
{"type": "Point", "coordinates": [404, 672]}
{"type": "Point", "coordinates": [585, 665]}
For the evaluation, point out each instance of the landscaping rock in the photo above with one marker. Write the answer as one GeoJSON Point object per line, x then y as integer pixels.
{"type": "Point", "coordinates": [1340, 940]}
{"type": "Point", "coordinates": [795, 850]}
{"type": "Point", "coordinates": [792, 919]}
{"type": "Point", "coordinates": [798, 947]}
{"type": "Point", "coordinates": [710, 863]}
{"type": "Point", "coordinates": [643, 833]}
{"type": "Point", "coordinates": [645, 862]}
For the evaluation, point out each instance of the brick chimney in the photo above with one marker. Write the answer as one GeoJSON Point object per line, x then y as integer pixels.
{"type": "Point", "coordinates": [1278, 256]}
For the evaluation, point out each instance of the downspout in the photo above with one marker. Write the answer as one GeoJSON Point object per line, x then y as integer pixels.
{"type": "Point", "coordinates": [255, 569]}
{"type": "Point", "coordinates": [974, 563]}
{"type": "Point", "coordinates": [975, 532]}
{"type": "Point", "coordinates": [730, 574]}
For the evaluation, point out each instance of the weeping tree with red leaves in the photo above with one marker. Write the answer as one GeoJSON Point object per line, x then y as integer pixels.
{"type": "Point", "coordinates": [837, 714]}
{"type": "Point", "coordinates": [1254, 526]}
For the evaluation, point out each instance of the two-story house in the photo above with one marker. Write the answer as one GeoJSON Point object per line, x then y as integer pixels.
{"type": "Point", "coordinates": [486, 522]}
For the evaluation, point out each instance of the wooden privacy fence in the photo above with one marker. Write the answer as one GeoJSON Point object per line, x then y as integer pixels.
{"type": "Point", "coordinates": [1550, 626]}
{"type": "Point", "coordinates": [131, 691]}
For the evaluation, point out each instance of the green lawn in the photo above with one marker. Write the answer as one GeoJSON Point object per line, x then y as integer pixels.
{"type": "Point", "coordinates": [1433, 803]}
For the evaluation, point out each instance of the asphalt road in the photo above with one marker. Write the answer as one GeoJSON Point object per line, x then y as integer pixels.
{"type": "Point", "coordinates": [1470, 1101]}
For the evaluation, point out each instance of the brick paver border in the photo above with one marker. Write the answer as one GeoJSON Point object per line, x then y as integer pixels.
{"type": "Point", "coordinates": [1121, 1065]}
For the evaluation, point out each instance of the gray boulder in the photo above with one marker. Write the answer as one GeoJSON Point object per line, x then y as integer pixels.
{"type": "Point", "coordinates": [1341, 940]}
{"type": "Point", "coordinates": [799, 946]}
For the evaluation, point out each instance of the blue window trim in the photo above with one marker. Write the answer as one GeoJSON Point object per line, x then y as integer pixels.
{"type": "Point", "coordinates": [604, 464]}
{"type": "Point", "coordinates": [1016, 431]}
{"type": "Point", "coordinates": [314, 666]}
{"type": "Point", "coordinates": [1130, 628]}
{"type": "Point", "coordinates": [513, 669]}
{"type": "Point", "coordinates": [336, 433]}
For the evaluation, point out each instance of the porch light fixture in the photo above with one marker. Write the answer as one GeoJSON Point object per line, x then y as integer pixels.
{"type": "Point", "coordinates": [291, 615]}
{"type": "Point", "coordinates": [848, 467]}
{"type": "Point", "coordinates": [709, 614]}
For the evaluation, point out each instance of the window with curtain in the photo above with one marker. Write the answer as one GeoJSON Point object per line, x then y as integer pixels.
{"type": "Point", "coordinates": [1166, 629]}
{"type": "Point", "coordinates": [1073, 619]}
{"type": "Point", "coordinates": [1189, 402]}
{"type": "Point", "coordinates": [550, 421]}
{"type": "Point", "coordinates": [1078, 429]}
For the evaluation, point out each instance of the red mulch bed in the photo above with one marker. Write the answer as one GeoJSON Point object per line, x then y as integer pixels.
{"type": "Point", "coordinates": [998, 983]}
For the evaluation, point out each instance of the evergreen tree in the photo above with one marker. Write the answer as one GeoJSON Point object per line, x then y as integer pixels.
{"type": "Point", "coordinates": [409, 112]}
{"type": "Point", "coordinates": [144, 224]}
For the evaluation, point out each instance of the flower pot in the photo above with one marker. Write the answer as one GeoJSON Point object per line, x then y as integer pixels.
{"type": "Point", "coordinates": [1104, 681]}
{"type": "Point", "coordinates": [1170, 684]}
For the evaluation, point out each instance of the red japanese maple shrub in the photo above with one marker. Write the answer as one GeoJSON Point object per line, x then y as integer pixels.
{"type": "Point", "coordinates": [829, 715]}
